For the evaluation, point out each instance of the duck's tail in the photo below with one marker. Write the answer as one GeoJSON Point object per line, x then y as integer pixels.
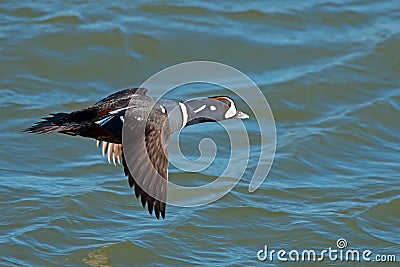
{"type": "Point", "coordinates": [54, 123]}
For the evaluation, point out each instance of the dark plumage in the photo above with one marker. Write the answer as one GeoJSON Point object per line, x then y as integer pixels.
{"type": "Point", "coordinates": [147, 122]}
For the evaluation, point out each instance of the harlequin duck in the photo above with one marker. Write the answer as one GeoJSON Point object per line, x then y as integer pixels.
{"type": "Point", "coordinates": [147, 122]}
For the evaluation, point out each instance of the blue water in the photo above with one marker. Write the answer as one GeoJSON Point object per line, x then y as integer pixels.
{"type": "Point", "coordinates": [329, 70]}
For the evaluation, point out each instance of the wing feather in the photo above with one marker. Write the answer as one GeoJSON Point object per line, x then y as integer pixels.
{"type": "Point", "coordinates": [145, 159]}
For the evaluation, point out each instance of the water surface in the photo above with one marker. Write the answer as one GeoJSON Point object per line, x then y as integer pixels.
{"type": "Point", "coordinates": [329, 69]}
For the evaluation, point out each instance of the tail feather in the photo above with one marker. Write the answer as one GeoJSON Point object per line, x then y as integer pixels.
{"type": "Point", "coordinates": [53, 123]}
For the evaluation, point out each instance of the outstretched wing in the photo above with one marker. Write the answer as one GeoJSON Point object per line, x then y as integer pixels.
{"type": "Point", "coordinates": [145, 157]}
{"type": "Point", "coordinates": [126, 93]}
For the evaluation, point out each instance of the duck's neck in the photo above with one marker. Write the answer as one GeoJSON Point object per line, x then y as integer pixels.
{"type": "Point", "coordinates": [181, 114]}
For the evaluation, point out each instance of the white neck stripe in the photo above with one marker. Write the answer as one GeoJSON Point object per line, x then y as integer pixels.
{"type": "Point", "coordinates": [162, 109]}
{"type": "Point", "coordinates": [184, 114]}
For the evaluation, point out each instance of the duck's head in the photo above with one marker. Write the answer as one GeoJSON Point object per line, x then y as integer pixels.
{"type": "Point", "coordinates": [216, 108]}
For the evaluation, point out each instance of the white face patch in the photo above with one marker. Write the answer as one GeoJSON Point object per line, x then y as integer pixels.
{"type": "Point", "coordinates": [200, 108]}
{"type": "Point", "coordinates": [231, 111]}
{"type": "Point", "coordinates": [213, 108]}
{"type": "Point", "coordinates": [184, 114]}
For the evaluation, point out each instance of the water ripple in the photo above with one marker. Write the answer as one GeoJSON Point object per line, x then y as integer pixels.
{"type": "Point", "coordinates": [329, 70]}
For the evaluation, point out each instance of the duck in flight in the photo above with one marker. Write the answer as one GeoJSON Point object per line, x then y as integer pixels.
{"type": "Point", "coordinates": [146, 124]}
